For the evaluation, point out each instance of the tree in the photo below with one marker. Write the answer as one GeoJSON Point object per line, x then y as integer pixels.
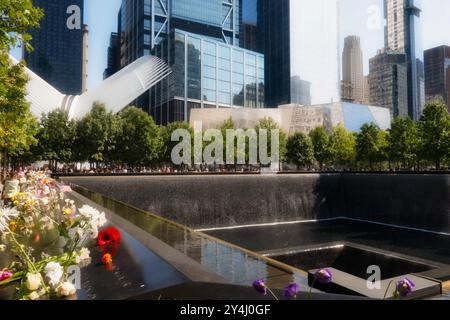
{"type": "Point", "coordinates": [17, 124]}
{"type": "Point", "coordinates": [56, 137]}
{"type": "Point", "coordinates": [300, 150]}
{"type": "Point", "coordinates": [342, 146]}
{"type": "Point", "coordinates": [17, 18]}
{"type": "Point", "coordinates": [97, 134]}
{"type": "Point", "coordinates": [371, 144]}
{"type": "Point", "coordinates": [404, 142]}
{"type": "Point", "coordinates": [140, 142]}
{"type": "Point", "coordinates": [434, 129]}
{"type": "Point", "coordinates": [321, 145]}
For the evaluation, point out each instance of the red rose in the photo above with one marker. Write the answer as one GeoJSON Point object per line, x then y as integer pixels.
{"type": "Point", "coordinates": [108, 236]}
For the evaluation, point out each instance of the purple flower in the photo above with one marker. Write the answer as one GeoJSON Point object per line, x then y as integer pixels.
{"type": "Point", "coordinates": [291, 291]}
{"type": "Point", "coordinates": [405, 287]}
{"type": "Point", "coordinates": [323, 276]}
{"type": "Point", "coordinates": [260, 286]}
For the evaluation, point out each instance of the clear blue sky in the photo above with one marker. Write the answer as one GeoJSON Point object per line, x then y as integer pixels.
{"type": "Point", "coordinates": [101, 16]}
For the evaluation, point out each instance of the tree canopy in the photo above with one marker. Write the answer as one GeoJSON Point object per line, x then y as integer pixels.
{"type": "Point", "coordinates": [300, 150]}
{"type": "Point", "coordinates": [435, 133]}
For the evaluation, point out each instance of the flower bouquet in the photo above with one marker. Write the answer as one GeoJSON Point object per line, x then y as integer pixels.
{"type": "Point", "coordinates": [44, 236]}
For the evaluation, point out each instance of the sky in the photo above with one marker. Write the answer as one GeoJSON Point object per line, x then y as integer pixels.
{"type": "Point", "coordinates": [358, 17]}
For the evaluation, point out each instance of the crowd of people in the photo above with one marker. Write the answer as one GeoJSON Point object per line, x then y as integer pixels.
{"type": "Point", "coordinates": [12, 180]}
{"type": "Point", "coordinates": [203, 168]}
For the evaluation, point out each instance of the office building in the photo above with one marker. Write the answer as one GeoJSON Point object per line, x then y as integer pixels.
{"type": "Point", "coordinates": [388, 82]}
{"type": "Point", "coordinates": [200, 42]}
{"type": "Point", "coordinates": [403, 34]}
{"type": "Point", "coordinates": [437, 74]}
{"type": "Point", "coordinates": [207, 73]}
{"type": "Point", "coordinates": [352, 71]}
{"type": "Point", "coordinates": [113, 60]}
{"type": "Point", "coordinates": [58, 45]}
{"type": "Point", "coordinates": [366, 94]}
{"type": "Point", "coordinates": [300, 41]}
{"type": "Point", "coordinates": [248, 36]}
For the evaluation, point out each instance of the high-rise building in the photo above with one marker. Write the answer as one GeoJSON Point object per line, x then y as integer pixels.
{"type": "Point", "coordinates": [249, 27]}
{"type": "Point", "coordinates": [300, 41]}
{"type": "Point", "coordinates": [208, 73]}
{"type": "Point", "coordinates": [58, 45]}
{"type": "Point", "coordinates": [200, 42]}
{"type": "Point", "coordinates": [113, 62]}
{"type": "Point", "coordinates": [146, 23]}
{"type": "Point", "coordinates": [388, 82]}
{"type": "Point", "coordinates": [248, 36]}
{"type": "Point", "coordinates": [366, 94]}
{"type": "Point", "coordinates": [352, 71]}
{"type": "Point", "coordinates": [437, 74]}
{"type": "Point", "coordinates": [403, 34]}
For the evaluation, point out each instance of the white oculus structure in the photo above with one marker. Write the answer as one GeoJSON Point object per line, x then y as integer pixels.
{"type": "Point", "coordinates": [116, 92]}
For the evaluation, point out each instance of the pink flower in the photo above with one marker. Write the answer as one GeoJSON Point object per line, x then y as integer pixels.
{"type": "Point", "coordinates": [5, 275]}
{"type": "Point", "coordinates": [66, 189]}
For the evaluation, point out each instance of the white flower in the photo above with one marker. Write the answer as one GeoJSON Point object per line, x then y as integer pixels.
{"type": "Point", "coordinates": [84, 254]}
{"type": "Point", "coordinates": [34, 295]}
{"type": "Point", "coordinates": [28, 220]}
{"type": "Point", "coordinates": [93, 228]}
{"type": "Point", "coordinates": [34, 281]}
{"type": "Point", "coordinates": [83, 258]}
{"type": "Point", "coordinates": [54, 272]}
{"type": "Point", "coordinates": [2, 248]}
{"type": "Point", "coordinates": [44, 201]}
{"type": "Point", "coordinates": [66, 289]}
{"type": "Point", "coordinates": [5, 215]}
{"type": "Point", "coordinates": [47, 223]}
{"type": "Point", "coordinates": [94, 217]}
{"type": "Point", "coordinates": [46, 190]}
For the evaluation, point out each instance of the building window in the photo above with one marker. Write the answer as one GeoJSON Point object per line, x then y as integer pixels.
{"type": "Point", "coordinates": [147, 7]}
{"type": "Point", "coordinates": [147, 39]}
{"type": "Point", "coordinates": [147, 24]}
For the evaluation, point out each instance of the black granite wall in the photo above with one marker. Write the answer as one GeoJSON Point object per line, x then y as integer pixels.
{"type": "Point", "coordinates": [421, 201]}
{"type": "Point", "coordinates": [222, 201]}
{"type": "Point", "coordinates": [413, 200]}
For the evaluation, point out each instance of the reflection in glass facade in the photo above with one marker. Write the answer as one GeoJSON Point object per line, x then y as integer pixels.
{"type": "Point", "coordinates": [203, 70]}
{"type": "Point", "coordinates": [300, 42]}
{"type": "Point", "coordinates": [403, 33]}
{"type": "Point", "coordinates": [208, 74]}
{"type": "Point", "coordinates": [58, 51]}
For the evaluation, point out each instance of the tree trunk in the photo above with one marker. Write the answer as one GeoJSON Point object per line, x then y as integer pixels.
{"type": "Point", "coordinates": [3, 166]}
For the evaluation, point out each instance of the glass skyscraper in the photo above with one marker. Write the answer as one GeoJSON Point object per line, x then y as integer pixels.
{"type": "Point", "coordinates": [207, 73]}
{"type": "Point", "coordinates": [300, 40]}
{"type": "Point", "coordinates": [58, 50]}
{"type": "Point", "coordinates": [200, 42]}
{"type": "Point", "coordinates": [403, 34]}
{"type": "Point", "coordinates": [437, 74]}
